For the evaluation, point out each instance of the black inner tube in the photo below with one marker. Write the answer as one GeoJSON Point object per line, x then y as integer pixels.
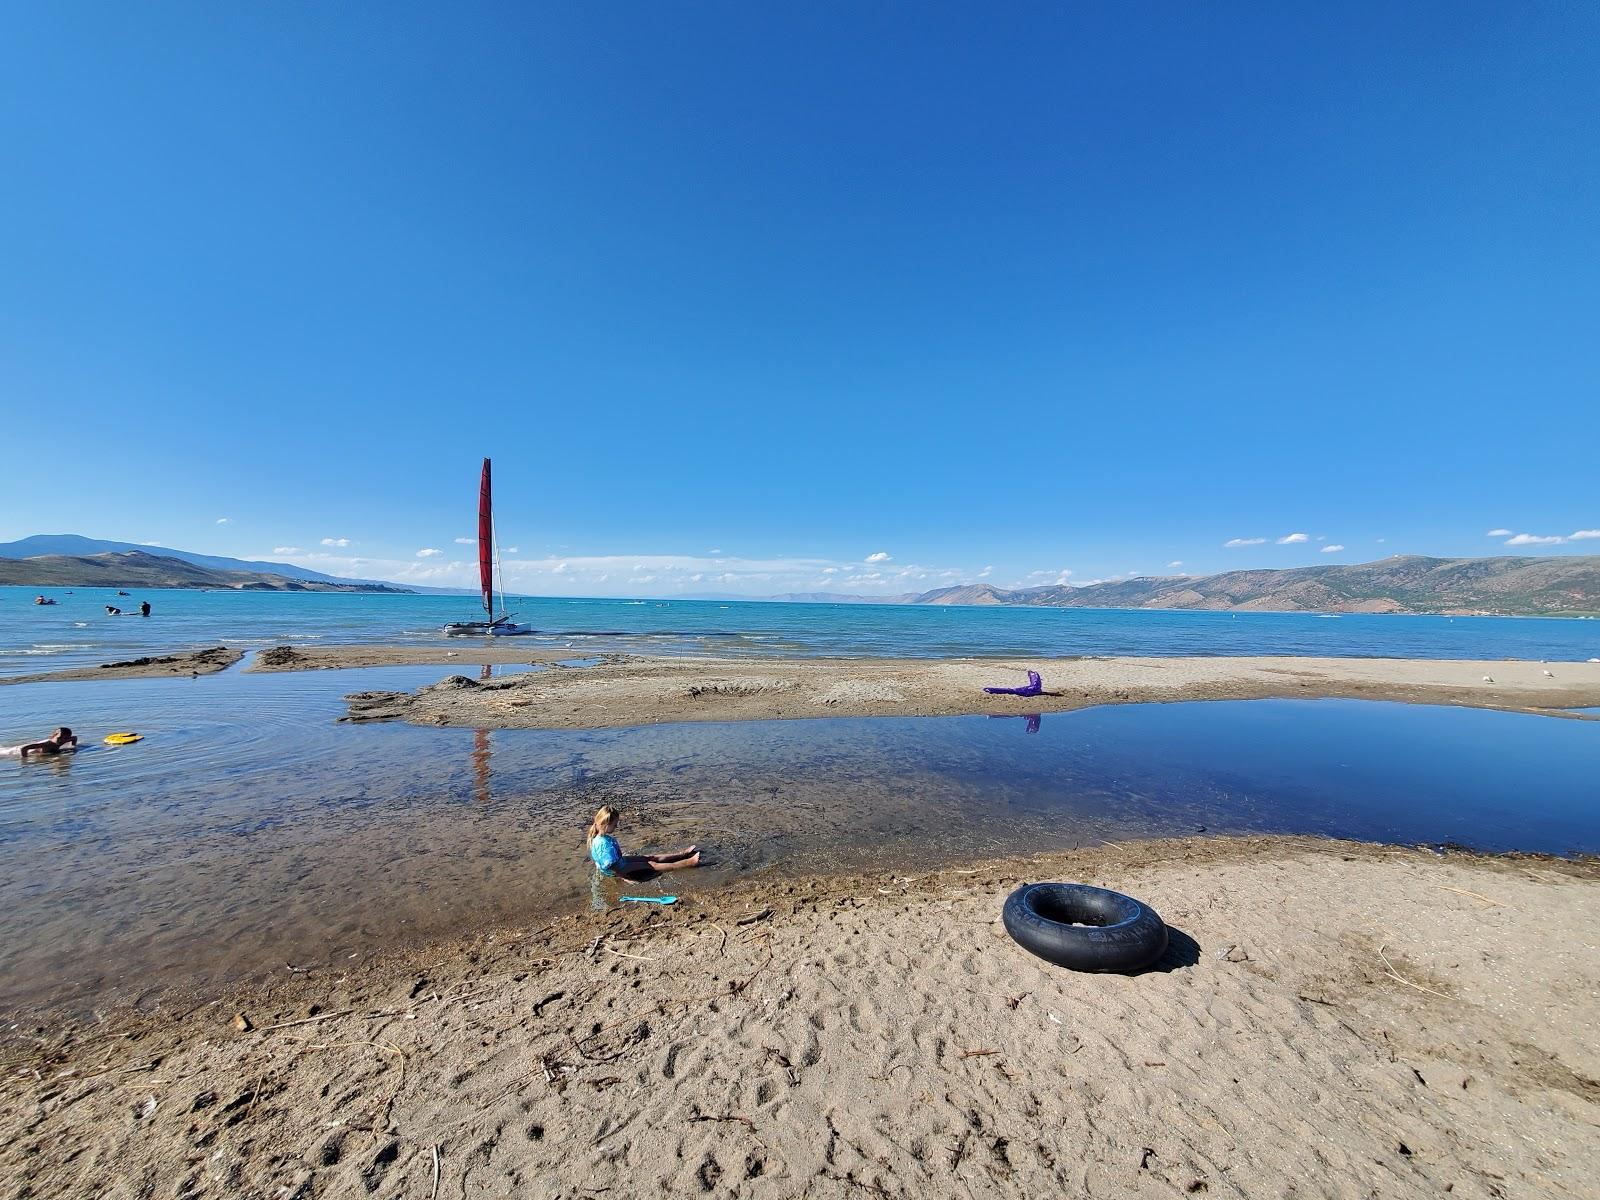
{"type": "Point", "coordinates": [1084, 928]}
{"type": "Point", "coordinates": [1083, 906]}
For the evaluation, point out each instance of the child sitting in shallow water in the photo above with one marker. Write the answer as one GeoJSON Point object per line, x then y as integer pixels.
{"type": "Point", "coordinates": [608, 856]}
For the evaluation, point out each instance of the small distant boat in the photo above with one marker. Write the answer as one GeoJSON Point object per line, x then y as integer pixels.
{"type": "Point", "coordinates": [43, 600]}
{"type": "Point", "coordinates": [488, 568]}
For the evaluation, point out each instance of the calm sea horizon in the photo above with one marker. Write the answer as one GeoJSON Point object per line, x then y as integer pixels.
{"type": "Point", "coordinates": [77, 631]}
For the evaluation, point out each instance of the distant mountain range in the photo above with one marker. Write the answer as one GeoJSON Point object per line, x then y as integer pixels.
{"type": "Point", "coordinates": [1567, 585]}
{"type": "Point", "coordinates": [1556, 586]}
{"type": "Point", "coordinates": [82, 547]}
{"type": "Point", "coordinates": [140, 569]}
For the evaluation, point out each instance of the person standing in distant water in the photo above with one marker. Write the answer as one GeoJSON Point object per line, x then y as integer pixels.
{"type": "Point", "coordinates": [144, 608]}
{"type": "Point", "coordinates": [62, 739]}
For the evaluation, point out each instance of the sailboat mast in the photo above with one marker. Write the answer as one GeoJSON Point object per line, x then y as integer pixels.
{"type": "Point", "coordinates": [499, 572]}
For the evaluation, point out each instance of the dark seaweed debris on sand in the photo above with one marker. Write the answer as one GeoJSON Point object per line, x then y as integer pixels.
{"type": "Point", "coordinates": [376, 706]}
{"type": "Point", "coordinates": [386, 706]}
{"type": "Point", "coordinates": [217, 656]}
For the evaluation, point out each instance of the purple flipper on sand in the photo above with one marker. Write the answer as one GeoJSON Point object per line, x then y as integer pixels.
{"type": "Point", "coordinates": [1035, 686]}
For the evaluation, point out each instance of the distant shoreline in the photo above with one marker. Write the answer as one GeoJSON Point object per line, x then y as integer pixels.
{"type": "Point", "coordinates": [395, 589]}
{"type": "Point", "coordinates": [868, 602]}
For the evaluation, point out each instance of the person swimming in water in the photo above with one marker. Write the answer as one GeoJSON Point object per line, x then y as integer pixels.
{"type": "Point", "coordinates": [62, 739]}
{"type": "Point", "coordinates": [113, 611]}
{"type": "Point", "coordinates": [609, 858]}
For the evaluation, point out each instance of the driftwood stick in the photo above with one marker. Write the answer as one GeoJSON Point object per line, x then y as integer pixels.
{"type": "Point", "coordinates": [739, 1117]}
{"type": "Point", "coordinates": [1464, 892]}
{"type": "Point", "coordinates": [1390, 968]}
{"type": "Point", "coordinates": [333, 1016]}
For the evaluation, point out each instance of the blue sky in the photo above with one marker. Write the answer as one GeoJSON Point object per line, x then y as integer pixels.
{"type": "Point", "coordinates": [748, 294]}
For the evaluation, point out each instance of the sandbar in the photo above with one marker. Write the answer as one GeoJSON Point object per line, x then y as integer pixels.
{"type": "Point", "coordinates": [186, 662]}
{"type": "Point", "coordinates": [640, 691]}
{"type": "Point", "coordinates": [340, 658]}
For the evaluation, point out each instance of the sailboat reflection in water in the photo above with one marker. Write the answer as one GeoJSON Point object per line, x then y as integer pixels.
{"type": "Point", "coordinates": [480, 752]}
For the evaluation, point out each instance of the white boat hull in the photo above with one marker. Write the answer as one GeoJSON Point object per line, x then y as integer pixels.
{"type": "Point", "coordinates": [484, 629]}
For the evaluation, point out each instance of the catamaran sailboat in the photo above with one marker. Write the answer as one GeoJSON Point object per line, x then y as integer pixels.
{"type": "Point", "coordinates": [488, 569]}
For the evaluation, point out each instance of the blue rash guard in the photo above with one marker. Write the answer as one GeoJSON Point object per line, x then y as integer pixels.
{"type": "Point", "coordinates": [605, 852]}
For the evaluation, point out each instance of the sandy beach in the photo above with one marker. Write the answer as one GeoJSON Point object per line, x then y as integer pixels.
{"type": "Point", "coordinates": [636, 691]}
{"type": "Point", "coordinates": [1349, 1018]}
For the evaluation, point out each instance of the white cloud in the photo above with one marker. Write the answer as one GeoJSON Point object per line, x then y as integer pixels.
{"type": "Point", "coordinates": [287, 550]}
{"type": "Point", "coordinates": [1332, 548]}
{"type": "Point", "coordinates": [1533, 539]}
{"type": "Point", "coordinates": [429, 552]}
{"type": "Point", "coordinates": [1498, 533]}
{"type": "Point", "coordinates": [878, 557]}
{"type": "Point", "coordinates": [1231, 543]}
{"type": "Point", "coordinates": [224, 520]}
{"type": "Point", "coordinates": [466, 541]}
{"type": "Point", "coordinates": [512, 550]}
{"type": "Point", "coordinates": [1290, 539]}
{"type": "Point", "coordinates": [1177, 562]}
{"type": "Point", "coordinates": [986, 572]}
{"type": "Point", "coordinates": [713, 551]}
{"type": "Point", "coordinates": [340, 542]}
{"type": "Point", "coordinates": [1382, 540]}
{"type": "Point", "coordinates": [641, 574]}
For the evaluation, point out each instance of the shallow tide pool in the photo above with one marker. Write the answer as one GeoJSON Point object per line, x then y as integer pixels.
{"type": "Point", "coordinates": [249, 830]}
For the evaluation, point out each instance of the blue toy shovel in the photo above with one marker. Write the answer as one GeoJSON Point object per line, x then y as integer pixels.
{"type": "Point", "coordinates": [650, 899]}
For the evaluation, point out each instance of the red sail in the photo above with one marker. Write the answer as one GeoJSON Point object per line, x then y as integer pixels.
{"type": "Point", "coordinates": [486, 542]}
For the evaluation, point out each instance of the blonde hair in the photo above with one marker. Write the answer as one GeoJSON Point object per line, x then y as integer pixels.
{"type": "Point", "coordinates": [604, 816]}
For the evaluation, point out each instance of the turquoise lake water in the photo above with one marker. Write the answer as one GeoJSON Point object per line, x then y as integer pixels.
{"type": "Point", "coordinates": [76, 630]}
